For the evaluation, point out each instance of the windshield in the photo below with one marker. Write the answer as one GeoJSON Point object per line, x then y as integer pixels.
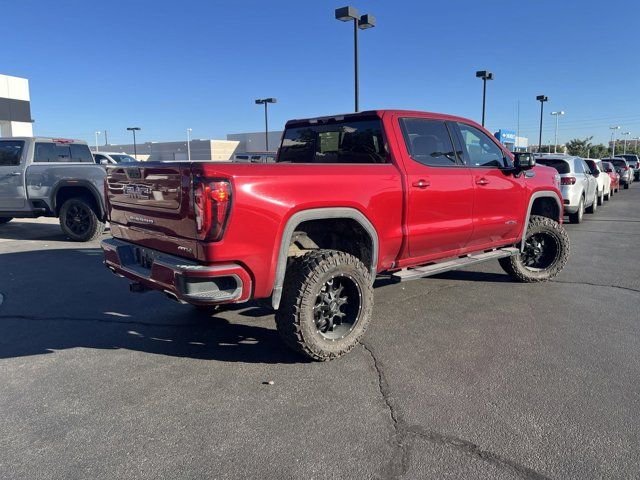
{"type": "Point", "coordinates": [560, 165]}
{"type": "Point", "coordinates": [123, 158]}
{"type": "Point", "coordinates": [630, 158]}
{"type": "Point", "coordinates": [619, 163]}
{"type": "Point", "coordinates": [10, 152]}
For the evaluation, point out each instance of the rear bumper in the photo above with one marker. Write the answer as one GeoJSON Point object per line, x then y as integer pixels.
{"type": "Point", "coordinates": [183, 279]}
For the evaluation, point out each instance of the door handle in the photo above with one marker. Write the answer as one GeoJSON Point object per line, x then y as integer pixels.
{"type": "Point", "coordinates": [421, 183]}
{"type": "Point", "coordinates": [15, 174]}
{"type": "Point", "coordinates": [482, 181]}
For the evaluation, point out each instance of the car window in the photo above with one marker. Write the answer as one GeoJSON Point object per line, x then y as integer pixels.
{"type": "Point", "coordinates": [45, 152]}
{"type": "Point", "coordinates": [10, 152]}
{"type": "Point", "coordinates": [99, 158]}
{"type": "Point", "coordinates": [123, 158]}
{"type": "Point", "coordinates": [358, 141]}
{"type": "Point", "coordinates": [80, 153]}
{"type": "Point", "coordinates": [481, 150]}
{"type": "Point", "coordinates": [593, 168]}
{"type": "Point", "coordinates": [578, 166]}
{"type": "Point", "coordinates": [428, 142]}
{"type": "Point", "coordinates": [560, 165]}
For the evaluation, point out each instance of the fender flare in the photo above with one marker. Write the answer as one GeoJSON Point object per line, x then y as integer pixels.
{"type": "Point", "coordinates": [78, 183]}
{"type": "Point", "coordinates": [320, 214]}
{"type": "Point", "coordinates": [534, 197]}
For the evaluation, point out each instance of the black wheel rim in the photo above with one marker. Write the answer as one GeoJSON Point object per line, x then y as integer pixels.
{"type": "Point", "coordinates": [540, 251]}
{"type": "Point", "coordinates": [78, 219]}
{"type": "Point", "coordinates": [338, 307]}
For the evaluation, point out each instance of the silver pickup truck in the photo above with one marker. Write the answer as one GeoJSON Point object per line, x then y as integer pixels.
{"type": "Point", "coordinates": [52, 177]}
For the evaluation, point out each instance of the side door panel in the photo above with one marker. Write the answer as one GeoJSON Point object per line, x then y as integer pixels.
{"type": "Point", "coordinates": [440, 193]}
{"type": "Point", "coordinates": [12, 175]}
{"type": "Point", "coordinates": [499, 195]}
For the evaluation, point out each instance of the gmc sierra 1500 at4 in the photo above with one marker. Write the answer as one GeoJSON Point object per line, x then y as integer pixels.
{"type": "Point", "coordinates": [408, 193]}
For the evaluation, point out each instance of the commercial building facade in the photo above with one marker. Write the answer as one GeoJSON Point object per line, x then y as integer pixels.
{"type": "Point", "coordinates": [201, 150]}
{"type": "Point", "coordinates": [15, 107]}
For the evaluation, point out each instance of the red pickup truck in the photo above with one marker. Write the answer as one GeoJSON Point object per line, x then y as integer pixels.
{"type": "Point", "coordinates": [408, 193]}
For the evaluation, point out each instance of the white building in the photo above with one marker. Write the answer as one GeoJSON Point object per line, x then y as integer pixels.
{"type": "Point", "coordinates": [210, 150]}
{"type": "Point", "coordinates": [254, 142]}
{"type": "Point", "coordinates": [15, 107]}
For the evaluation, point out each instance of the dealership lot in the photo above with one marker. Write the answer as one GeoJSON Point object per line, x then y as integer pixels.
{"type": "Point", "coordinates": [464, 375]}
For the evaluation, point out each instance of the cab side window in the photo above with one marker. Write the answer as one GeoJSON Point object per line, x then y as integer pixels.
{"type": "Point", "coordinates": [481, 150]}
{"type": "Point", "coordinates": [428, 142]}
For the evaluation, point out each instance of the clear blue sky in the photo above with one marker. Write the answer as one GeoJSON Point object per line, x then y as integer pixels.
{"type": "Point", "coordinates": [166, 66]}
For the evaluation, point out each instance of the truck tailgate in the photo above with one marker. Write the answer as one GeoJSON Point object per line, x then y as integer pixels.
{"type": "Point", "coordinates": [151, 204]}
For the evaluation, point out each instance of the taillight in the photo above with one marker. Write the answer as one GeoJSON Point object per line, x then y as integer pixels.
{"type": "Point", "coordinates": [625, 168]}
{"type": "Point", "coordinates": [568, 180]}
{"type": "Point", "coordinates": [212, 200]}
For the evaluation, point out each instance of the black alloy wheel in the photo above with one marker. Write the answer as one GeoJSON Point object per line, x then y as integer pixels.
{"type": "Point", "coordinates": [338, 307]}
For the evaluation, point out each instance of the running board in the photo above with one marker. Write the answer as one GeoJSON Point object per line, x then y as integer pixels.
{"type": "Point", "coordinates": [407, 274]}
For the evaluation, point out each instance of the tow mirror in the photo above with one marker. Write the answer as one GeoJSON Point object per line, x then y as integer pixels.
{"type": "Point", "coordinates": [524, 160]}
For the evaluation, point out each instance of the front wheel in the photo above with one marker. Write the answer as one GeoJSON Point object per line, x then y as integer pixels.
{"type": "Point", "coordinates": [626, 186]}
{"type": "Point", "coordinates": [5, 220]}
{"type": "Point", "coordinates": [326, 305]}
{"type": "Point", "coordinates": [594, 206]}
{"type": "Point", "coordinates": [79, 220]}
{"type": "Point", "coordinates": [545, 253]}
{"type": "Point", "coordinates": [577, 217]}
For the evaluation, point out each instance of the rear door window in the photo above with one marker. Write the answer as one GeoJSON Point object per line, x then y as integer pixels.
{"type": "Point", "coordinates": [10, 152]}
{"type": "Point", "coordinates": [359, 141]}
{"type": "Point", "coordinates": [560, 165]}
{"type": "Point", "coordinates": [429, 142]}
{"type": "Point", "coordinates": [80, 153]}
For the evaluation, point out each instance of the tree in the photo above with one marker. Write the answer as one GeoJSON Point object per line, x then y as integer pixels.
{"type": "Point", "coordinates": [580, 148]}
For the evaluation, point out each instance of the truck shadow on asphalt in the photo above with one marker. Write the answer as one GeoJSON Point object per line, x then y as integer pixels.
{"type": "Point", "coordinates": [64, 299]}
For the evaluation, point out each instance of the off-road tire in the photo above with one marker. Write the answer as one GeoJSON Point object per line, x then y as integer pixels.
{"type": "Point", "coordinates": [514, 266]}
{"type": "Point", "coordinates": [95, 226]}
{"type": "Point", "coordinates": [304, 279]}
{"type": "Point", "coordinates": [577, 217]}
{"type": "Point", "coordinates": [4, 220]}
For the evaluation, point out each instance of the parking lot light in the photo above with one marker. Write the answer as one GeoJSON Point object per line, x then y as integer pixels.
{"type": "Point", "coordinates": [613, 137]}
{"type": "Point", "coordinates": [364, 22]}
{"type": "Point", "coordinates": [624, 143]}
{"type": "Point", "coordinates": [541, 99]}
{"type": "Point", "coordinates": [189, 144]}
{"type": "Point", "coordinates": [555, 145]}
{"type": "Point", "coordinates": [97, 134]}
{"type": "Point", "coordinates": [134, 130]}
{"type": "Point", "coordinates": [484, 75]}
{"type": "Point", "coordinates": [265, 102]}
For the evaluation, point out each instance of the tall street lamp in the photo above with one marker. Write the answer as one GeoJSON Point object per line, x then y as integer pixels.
{"type": "Point", "coordinates": [624, 148]}
{"type": "Point", "coordinates": [557, 114]}
{"type": "Point", "coordinates": [265, 102]}
{"type": "Point", "coordinates": [636, 144]}
{"type": "Point", "coordinates": [484, 75]}
{"type": "Point", "coordinates": [346, 14]}
{"type": "Point", "coordinates": [613, 141]}
{"type": "Point", "coordinates": [96, 134]}
{"type": "Point", "coordinates": [541, 99]}
{"type": "Point", "coordinates": [134, 130]}
{"type": "Point", "coordinates": [189, 144]}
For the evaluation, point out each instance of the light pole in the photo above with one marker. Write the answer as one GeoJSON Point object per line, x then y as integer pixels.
{"type": "Point", "coordinates": [265, 102]}
{"type": "Point", "coordinates": [541, 99]}
{"type": "Point", "coordinates": [555, 145]}
{"type": "Point", "coordinates": [484, 75]}
{"type": "Point", "coordinates": [96, 134]}
{"type": "Point", "coordinates": [346, 14]}
{"type": "Point", "coordinates": [624, 148]}
{"type": "Point", "coordinates": [636, 145]}
{"type": "Point", "coordinates": [189, 144]}
{"type": "Point", "coordinates": [134, 130]}
{"type": "Point", "coordinates": [613, 136]}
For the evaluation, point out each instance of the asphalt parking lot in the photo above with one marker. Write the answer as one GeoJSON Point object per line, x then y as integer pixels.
{"type": "Point", "coordinates": [464, 375]}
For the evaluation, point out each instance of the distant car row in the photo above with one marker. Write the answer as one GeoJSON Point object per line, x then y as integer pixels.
{"type": "Point", "coordinates": [587, 183]}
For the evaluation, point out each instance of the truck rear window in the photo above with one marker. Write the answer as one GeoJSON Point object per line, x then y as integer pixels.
{"type": "Point", "coordinates": [560, 165]}
{"type": "Point", "coordinates": [62, 152]}
{"type": "Point", "coordinates": [10, 152]}
{"type": "Point", "coordinates": [358, 141]}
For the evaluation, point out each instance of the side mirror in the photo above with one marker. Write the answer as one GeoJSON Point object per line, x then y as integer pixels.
{"type": "Point", "coordinates": [104, 161]}
{"type": "Point", "coordinates": [524, 160]}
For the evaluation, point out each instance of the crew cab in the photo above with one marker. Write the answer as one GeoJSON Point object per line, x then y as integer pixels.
{"type": "Point", "coordinates": [52, 177]}
{"type": "Point", "coordinates": [349, 196]}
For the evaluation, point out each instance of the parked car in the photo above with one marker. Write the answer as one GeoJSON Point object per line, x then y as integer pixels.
{"type": "Point", "coordinates": [579, 187]}
{"type": "Point", "coordinates": [634, 163]}
{"type": "Point", "coordinates": [603, 180]}
{"type": "Point", "coordinates": [409, 193]}
{"type": "Point", "coordinates": [112, 158]}
{"type": "Point", "coordinates": [255, 158]}
{"type": "Point", "coordinates": [623, 169]}
{"type": "Point", "coordinates": [610, 169]}
{"type": "Point", "coordinates": [52, 177]}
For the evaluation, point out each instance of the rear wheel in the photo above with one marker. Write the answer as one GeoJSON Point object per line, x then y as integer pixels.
{"type": "Point", "coordinates": [577, 217]}
{"type": "Point", "coordinates": [545, 252]}
{"type": "Point", "coordinates": [326, 304]}
{"type": "Point", "coordinates": [5, 220]}
{"type": "Point", "coordinates": [601, 198]}
{"type": "Point", "coordinates": [79, 220]}
{"type": "Point", "coordinates": [626, 186]}
{"type": "Point", "coordinates": [594, 206]}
